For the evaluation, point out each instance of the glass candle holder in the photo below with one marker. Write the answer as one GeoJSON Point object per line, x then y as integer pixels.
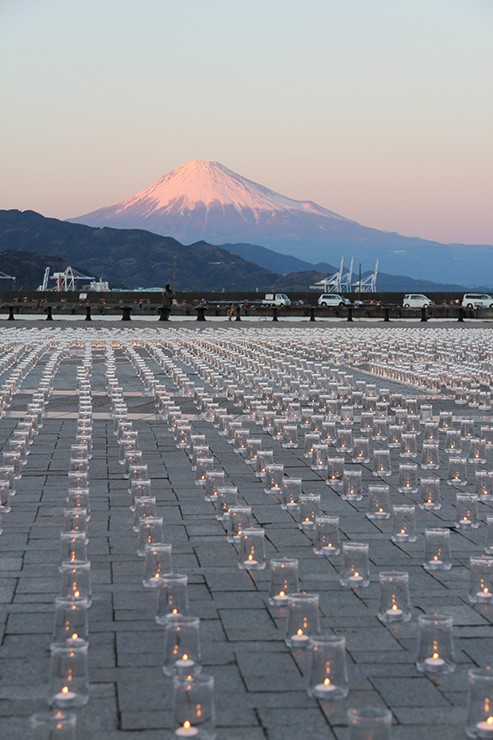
{"type": "Point", "coordinates": [240, 518]}
{"type": "Point", "coordinates": [483, 485]}
{"type": "Point", "coordinates": [157, 563]}
{"type": "Point", "coordinates": [290, 493]}
{"type": "Point", "coordinates": [435, 644]}
{"type": "Point", "coordinates": [457, 471]}
{"type": "Point", "coordinates": [378, 501]}
{"type": "Point", "coordinates": [467, 428]}
{"type": "Point", "coordinates": [409, 447]}
{"type": "Point", "coordinates": [240, 441]}
{"type": "Point", "coordinates": [431, 431]}
{"type": "Point", "coordinates": [193, 710]}
{"type": "Point", "coordinates": [308, 510]}
{"type": "Point", "coordinates": [344, 441]}
{"type": "Point", "coordinates": [453, 442]}
{"type": "Point", "coordinates": [78, 498]}
{"type": "Point", "coordinates": [4, 497]}
{"type": "Point", "coordinates": [394, 437]}
{"type": "Point", "coordinates": [139, 489]}
{"type": "Point", "coordinates": [311, 438]}
{"type": "Point", "coordinates": [366, 422]}
{"type": "Point", "coordinates": [290, 436]}
{"type": "Point", "coordinates": [481, 583]}
{"type": "Point", "coordinates": [466, 511]}
{"type": "Point", "coordinates": [355, 572]}
{"type": "Point", "coordinates": [326, 539]}
{"type": "Point", "coordinates": [75, 520]}
{"type": "Point", "coordinates": [320, 457]}
{"type": "Point", "coordinates": [143, 507]}
{"type": "Point", "coordinates": [430, 457]}
{"type": "Point", "coordinates": [380, 431]}
{"type": "Point", "coordinates": [283, 580]}
{"type": "Point", "coordinates": [329, 432]}
{"type": "Point", "coordinates": [352, 485]}
{"type": "Point", "coordinates": [264, 458]}
{"type": "Point", "coordinates": [361, 450]}
{"type": "Point", "coordinates": [253, 445]}
{"type": "Point", "coordinates": [381, 463]}
{"type": "Point", "coordinates": [182, 653]}
{"type": "Point", "coordinates": [70, 622]}
{"type": "Point", "coordinates": [132, 457]}
{"type": "Point", "coordinates": [75, 582]}
{"type": "Point", "coordinates": [172, 596]}
{"type": "Point", "coordinates": [227, 496]}
{"type": "Point", "coordinates": [437, 549]}
{"type": "Point", "coordinates": [335, 472]}
{"type": "Point", "coordinates": [408, 478]}
{"type": "Point", "coordinates": [251, 555]}
{"type": "Point", "coordinates": [150, 532]}
{"type": "Point", "coordinates": [394, 597]}
{"type": "Point", "coordinates": [199, 451]}
{"type": "Point", "coordinates": [214, 479]}
{"type": "Point", "coordinates": [73, 546]}
{"type": "Point", "coordinates": [203, 464]}
{"type": "Point", "coordinates": [479, 720]}
{"type": "Point", "coordinates": [477, 452]}
{"type": "Point", "coordinates": [69, 678]}
{"type": "Point", "coordinates": [488, 541]}
{"type": "Point", "coordinates": [302, 619]}
{"type": "Point", "coordinates": [370, 723]}
{"type": "Point", "coordinates": [327, 667]}
{"type": "Point", "coordinates": [273, 478]}
{"type": "Point", "coordinates": [429, 494]}
{"type": "Point", "coordinates": [54, 725]}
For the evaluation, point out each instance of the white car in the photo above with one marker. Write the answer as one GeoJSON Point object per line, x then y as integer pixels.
{"type": "Point", "coordinates": [333, 299]}
{"type": "Point", "coordinates": [416, 300]}
{"type": "Point", "coordinates": [477, 300]}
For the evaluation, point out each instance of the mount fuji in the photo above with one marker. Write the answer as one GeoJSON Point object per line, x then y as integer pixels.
{"type": "Point", "coordinates": [205, 201]}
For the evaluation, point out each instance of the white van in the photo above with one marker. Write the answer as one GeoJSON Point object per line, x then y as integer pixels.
{"type": "Point", "coordinates": [333, 299]}
{"type": "Point", "coordinates": [416, 300]}
{"type": "Point", "coordinates": [477, 300]}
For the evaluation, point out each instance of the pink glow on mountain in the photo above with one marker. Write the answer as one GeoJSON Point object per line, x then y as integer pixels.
{"type": "Point", "coordinates": [212, 184]}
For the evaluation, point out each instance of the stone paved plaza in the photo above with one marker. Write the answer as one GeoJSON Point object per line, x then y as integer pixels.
{"type": "Point", "coordinates": [187, 373]}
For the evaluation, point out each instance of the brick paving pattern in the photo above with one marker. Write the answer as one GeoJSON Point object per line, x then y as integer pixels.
{"type": "Point", "coordinates": [260, 683]}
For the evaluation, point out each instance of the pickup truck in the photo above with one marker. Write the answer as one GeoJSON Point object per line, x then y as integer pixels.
{"type": "Point", "coordinates": [276, 299]}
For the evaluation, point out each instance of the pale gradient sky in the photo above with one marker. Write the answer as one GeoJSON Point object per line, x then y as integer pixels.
{"type": "Point", "coordinates": [380, 110]}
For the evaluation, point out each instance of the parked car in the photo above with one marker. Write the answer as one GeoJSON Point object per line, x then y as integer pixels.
{"type": "Point", "coordinates": [333, 299]}
{"type": "Point", "coordinates": [416, 300]}
{"type": "Point", "coordinates": [276, 299]}
{"type": "Point", "coordinates": [477, 300]}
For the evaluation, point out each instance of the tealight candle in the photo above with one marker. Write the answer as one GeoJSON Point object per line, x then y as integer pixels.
{"type": "Point", "coordinates": [65, 695]}
{"type": "Point", "coordinates": [185, 662]}
{"type": "Point", "coordinates": [355, 578]}
{"type": "Point", "coordinates": [326, 687]}
{"type": "Point", "coordinates": [435, 661]}
{"type": "Point", "coordinates": [299, 638]}
{"type": "Point", "coordinates": [485, 727]}
{"type": "Point", "coordinates": [186, 730]}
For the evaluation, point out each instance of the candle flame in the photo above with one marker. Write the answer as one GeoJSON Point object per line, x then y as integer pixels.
{"type": "Point", "coordinates": [187, 724]}
{"type": "Point", "coordinates": [299, 632]}
{"type": "Point", "coordinates": [327, 681]}
{"type": "Point", "coordinates": [75, 636]}
{"type": "Point", "coordinates": [435, 656]}
{"type": "Point", "coordinates": [282, 593]}
{"type": "Point", "coordinates": [356, 574]}
{"type": "Point", "coordinates": [65, 690]}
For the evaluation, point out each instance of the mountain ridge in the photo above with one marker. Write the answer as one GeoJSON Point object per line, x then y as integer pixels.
{"type": "Point", "coordinates": [204, 200]}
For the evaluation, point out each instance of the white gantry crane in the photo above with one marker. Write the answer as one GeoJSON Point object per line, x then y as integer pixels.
{"type": "Point", "coordinates": [332, 283]}
{"type": "Point", "coordinates": [64, 281]}
{"type": "Point", "coordinates": [367, 284]}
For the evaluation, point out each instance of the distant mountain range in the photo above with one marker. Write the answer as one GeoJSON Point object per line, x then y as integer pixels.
{"type": "Point", "coordinates": [205, 201]}
{"type": "Point", "coordinates": [131, 258]}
